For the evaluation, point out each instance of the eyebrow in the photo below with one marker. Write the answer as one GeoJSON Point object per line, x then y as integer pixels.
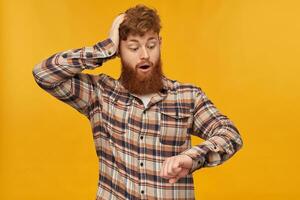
{"type": "Point", "coordinates": [134, 40]}
{"type": "Point", "coordinates": [151, 38]}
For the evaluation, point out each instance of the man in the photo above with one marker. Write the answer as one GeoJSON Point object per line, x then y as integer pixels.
{"type": "Point", "coordinates": [142, 123]}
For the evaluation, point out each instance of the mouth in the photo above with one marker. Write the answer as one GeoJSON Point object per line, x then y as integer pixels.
{"type": "Point", "coordinates": [144, 67]}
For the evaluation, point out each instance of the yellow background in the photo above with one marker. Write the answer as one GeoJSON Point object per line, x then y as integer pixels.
{"type": "Point", "coordinates": [243, 53]}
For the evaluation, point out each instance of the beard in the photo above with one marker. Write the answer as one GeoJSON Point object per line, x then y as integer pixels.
{"type": "Point", "coordinates": [141, 83]}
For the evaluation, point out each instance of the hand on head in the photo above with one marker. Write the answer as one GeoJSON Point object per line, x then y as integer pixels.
{"type": "Point", "coordinates": [114, 30]}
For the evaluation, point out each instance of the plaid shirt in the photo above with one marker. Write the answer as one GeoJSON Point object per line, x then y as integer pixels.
{"type": "Point", "coordinates": [132, 140]}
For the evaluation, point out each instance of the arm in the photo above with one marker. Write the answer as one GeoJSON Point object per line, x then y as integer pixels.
{"type": "Point", "coordinates": [222, 139]}
{"type": "Point", "coordinates": [60, 75]}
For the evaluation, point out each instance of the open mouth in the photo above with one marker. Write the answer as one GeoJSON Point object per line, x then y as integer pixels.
{"type": "Point", "coordinates": [144, 67]}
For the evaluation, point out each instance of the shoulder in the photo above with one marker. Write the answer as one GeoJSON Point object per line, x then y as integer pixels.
{"type": "Point", "coordinates": [105, 81]}
{"type": "Point", "coordinates": [184, 87]}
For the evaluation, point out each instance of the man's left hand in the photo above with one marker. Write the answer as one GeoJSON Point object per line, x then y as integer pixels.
{"type": "Point", "coordinates": [176, 167]}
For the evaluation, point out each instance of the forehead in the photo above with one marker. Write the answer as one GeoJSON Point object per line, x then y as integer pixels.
{"type": "Point", "coordinates": [150, 35]}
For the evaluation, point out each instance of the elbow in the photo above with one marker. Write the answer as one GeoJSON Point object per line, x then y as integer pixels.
{"type": "Point", "coordinates": [234, 136]}
{"type": "Point", "coordinates": [233, 139]}
{"type": "Point", "coordinates": [36, 72]}
{"type": "Point", "coordinates": [231, 134]}
{"type": "Point", "coordinates": [238, 144]}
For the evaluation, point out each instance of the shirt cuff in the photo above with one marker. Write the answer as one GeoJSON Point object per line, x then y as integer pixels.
{"type": "Point", "coordinates": [98, 54]}
{"type": "Point", "coordinates": [107, 47]}
{"type": "Point", "coordinates": [198, 161]}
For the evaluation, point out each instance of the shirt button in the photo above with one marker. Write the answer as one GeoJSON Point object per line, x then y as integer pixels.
{"type": "Point", "coordinates": [142, 191]}
{"type": "Point", "coordinates": [109, 52]}
{"type": "Point", "coordinates": [142, 164]}
{"type": "Point", "coordinates": [141, 137]}
{"type": "Point", "coordinates": [89, 55]}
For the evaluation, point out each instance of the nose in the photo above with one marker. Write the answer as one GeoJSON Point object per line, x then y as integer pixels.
{"type": "Point", "coordinates": [144, 53]}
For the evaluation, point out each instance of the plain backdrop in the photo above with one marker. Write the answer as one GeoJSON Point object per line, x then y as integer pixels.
{"type": "Point", "coordinates": [244, 54]}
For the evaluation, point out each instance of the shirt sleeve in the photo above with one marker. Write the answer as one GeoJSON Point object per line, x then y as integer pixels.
{"type": "Point", "coordinates": [60, 75]}
{"type": "Point", "coordinates": [222, 138]}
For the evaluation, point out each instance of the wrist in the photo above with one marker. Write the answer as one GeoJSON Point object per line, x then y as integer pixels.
{"type": "Point", "coordinates": [107, 47]}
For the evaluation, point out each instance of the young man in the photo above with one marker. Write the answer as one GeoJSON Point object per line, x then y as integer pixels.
{"type": "Point", "coordinates": [142, 123]}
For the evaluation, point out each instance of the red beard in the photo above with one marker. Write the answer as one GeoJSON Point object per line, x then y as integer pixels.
{"type": "Point", "coordinates": [140, 83]}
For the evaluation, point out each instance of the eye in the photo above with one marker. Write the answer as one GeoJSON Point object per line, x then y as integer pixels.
{"type": "Point", "coordinates": [151, 46]}
{"type": "Point", "coordinates": [133, 48]}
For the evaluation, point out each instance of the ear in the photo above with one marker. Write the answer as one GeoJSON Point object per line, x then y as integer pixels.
{"type": "Point", "coordinates": [160, 40]}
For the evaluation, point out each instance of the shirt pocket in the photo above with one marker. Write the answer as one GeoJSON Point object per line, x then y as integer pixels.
{"type": "Point", "coordinates": [174, 125]}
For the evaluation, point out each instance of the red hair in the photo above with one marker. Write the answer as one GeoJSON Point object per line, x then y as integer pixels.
{"type": "Point", "coordinates": [139, 20]}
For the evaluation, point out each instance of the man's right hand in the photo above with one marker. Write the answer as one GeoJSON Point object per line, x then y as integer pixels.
{"type": "Point", "coordinates": [114, 30]}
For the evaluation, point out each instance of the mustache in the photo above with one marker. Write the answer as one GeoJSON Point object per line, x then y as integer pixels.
{"type": "Point", "coordinates": [144, 63]}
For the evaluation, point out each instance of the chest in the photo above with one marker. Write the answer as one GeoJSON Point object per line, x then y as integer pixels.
{"type": "Point", "coordinates": [166, 121]}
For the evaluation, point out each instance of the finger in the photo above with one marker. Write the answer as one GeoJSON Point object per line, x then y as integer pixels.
{"type": "Point", "coordinates": [173, 180]}
{"type": "Point", "coordinates": [117, 21]}
{"type": "Point", "coordinates": [177, 170]}
{"type": "Point", "coordinates": [170, 172]}
{"type": "Point", "coordinates": [165, 171]}
{"type": "Point", "coordinates": [120, 19]}
{"type": "Point", "coordinates": [182, 173]}
{"type": "Point", "coordinates": [177, 165]}
{"type": "Point", "coordinates": [174, 168]}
